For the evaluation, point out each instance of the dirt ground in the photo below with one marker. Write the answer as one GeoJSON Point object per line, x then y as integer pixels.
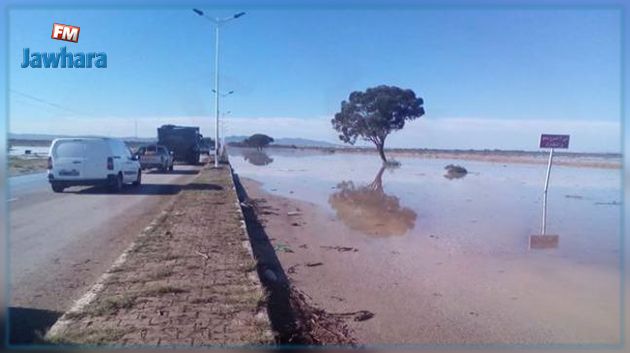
{"type": "Point", "coordinates": [188, 280]}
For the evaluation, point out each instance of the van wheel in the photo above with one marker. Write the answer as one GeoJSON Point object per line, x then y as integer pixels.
{"type": "Point", "coordinates": [57, 187]}
{"type": "Point", "coordinates": [138, 179]}
{"type": "Point", "coordinates": [118, 184]}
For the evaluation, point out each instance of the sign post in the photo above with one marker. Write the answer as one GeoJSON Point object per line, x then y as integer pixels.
{"type": "Point", "coordinates": [544, 241]}
{"type": "Point", "coordinates": [544, 215]}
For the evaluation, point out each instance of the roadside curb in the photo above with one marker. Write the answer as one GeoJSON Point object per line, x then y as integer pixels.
{"type": "Point", "coordinates": [262, 315]}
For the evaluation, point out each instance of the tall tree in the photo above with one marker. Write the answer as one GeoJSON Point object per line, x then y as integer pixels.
{"type": "Point", "coordinates": [375, 113]}
{"type": "Point", "coordinates": [258, 140]}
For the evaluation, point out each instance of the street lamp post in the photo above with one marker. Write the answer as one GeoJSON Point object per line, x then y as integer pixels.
{"type": "Point", "coordinates": [217, 24]}
{"type": "Point", "coordinates": [223, 124]}
{"type": "Point", "coordinates": [223, 95]}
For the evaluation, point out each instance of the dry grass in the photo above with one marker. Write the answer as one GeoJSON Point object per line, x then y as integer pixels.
{"type": "Point", "coordinates": [162, 290]}
{"type": "Point", "coordinates": [107, 306]}
{"type": "Point", "coordinates": [160, 274]}
{"type": "Point", "coordinates": [169, 257]}
{"type": "Point", "coordinates": [89, 336]}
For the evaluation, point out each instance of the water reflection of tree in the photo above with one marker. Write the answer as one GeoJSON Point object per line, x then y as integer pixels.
{"type": "Point", "coordinates": [257, 157]}
{"type": "Point", "coordinates": [455, 172]}
{"type": "Point", "coordinates": [370, 210]}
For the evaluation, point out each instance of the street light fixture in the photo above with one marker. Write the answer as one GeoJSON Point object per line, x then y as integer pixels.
{"type": "Point", "coordinates": [223, 94]}
{"type": "Point", "coordinates": [218, 22]}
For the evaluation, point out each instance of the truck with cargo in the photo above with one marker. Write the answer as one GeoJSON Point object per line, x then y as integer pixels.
{"type": "Point", "coordinates": [183, 141]}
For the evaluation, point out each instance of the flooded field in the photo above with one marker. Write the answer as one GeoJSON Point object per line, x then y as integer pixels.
{"type": "Point", "coordinates": [35, 150]}
{"type": "Point", "coordinates": [491, 210]}
{"type": "Point", "coordinates": [447, 260]}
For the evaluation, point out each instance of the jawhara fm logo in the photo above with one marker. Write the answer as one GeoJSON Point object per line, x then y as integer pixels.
{"type": "Point", "coordinates": [63, 58]}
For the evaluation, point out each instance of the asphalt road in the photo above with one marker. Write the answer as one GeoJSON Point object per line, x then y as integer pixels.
{"type": "Point", "coordinates": [59, 244]}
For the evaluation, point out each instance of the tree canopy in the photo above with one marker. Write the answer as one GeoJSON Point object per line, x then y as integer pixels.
{"type": "Point", "coordinates": [259, 141]}
{"type": "Point", "coordinates": [372, 115]}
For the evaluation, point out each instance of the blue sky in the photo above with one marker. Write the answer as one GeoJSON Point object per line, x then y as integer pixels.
{"type": "Point", "coordinates": [489, 78]}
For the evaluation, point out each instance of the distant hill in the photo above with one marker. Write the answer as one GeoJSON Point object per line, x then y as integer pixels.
{"type": "Point", "coordinates": [229, 139]}
{"type": "Point", "coordinates": [36, 137]}
{"type": "Point", "coordinates": [287, 141]}
{"type": "Point", "coordinates": [300, 142]}
{"type": "Point", "coordinates": [47, 137]}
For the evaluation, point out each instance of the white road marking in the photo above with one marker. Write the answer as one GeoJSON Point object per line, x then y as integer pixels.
{"type": "Point", "coordinates": [13, 199]}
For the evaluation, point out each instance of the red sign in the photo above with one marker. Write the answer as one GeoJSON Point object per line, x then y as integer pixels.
{"type": "Point", "coordinates": [65, 32]}
{"type": "Point", "coordinates": [554, 141]}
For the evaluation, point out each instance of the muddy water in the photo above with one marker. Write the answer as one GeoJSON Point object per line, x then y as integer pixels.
{"type": "Point", "coordinates": [461, 245]}
{"type": "Point", "coordinates": [21, 150]}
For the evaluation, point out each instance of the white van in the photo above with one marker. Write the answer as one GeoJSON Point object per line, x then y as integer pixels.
{"type": "Point", "coordinates": [92, 161]}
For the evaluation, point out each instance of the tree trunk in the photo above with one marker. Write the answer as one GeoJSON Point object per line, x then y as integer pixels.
{"type": "Point", "coordinates": [381, 152]}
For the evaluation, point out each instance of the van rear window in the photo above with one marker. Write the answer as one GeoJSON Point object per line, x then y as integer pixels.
{"type": "Point", "coordinates": [70, 149]}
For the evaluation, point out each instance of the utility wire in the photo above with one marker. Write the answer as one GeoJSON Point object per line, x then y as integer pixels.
{"type": "Point", "coordinates": [45, 102]}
